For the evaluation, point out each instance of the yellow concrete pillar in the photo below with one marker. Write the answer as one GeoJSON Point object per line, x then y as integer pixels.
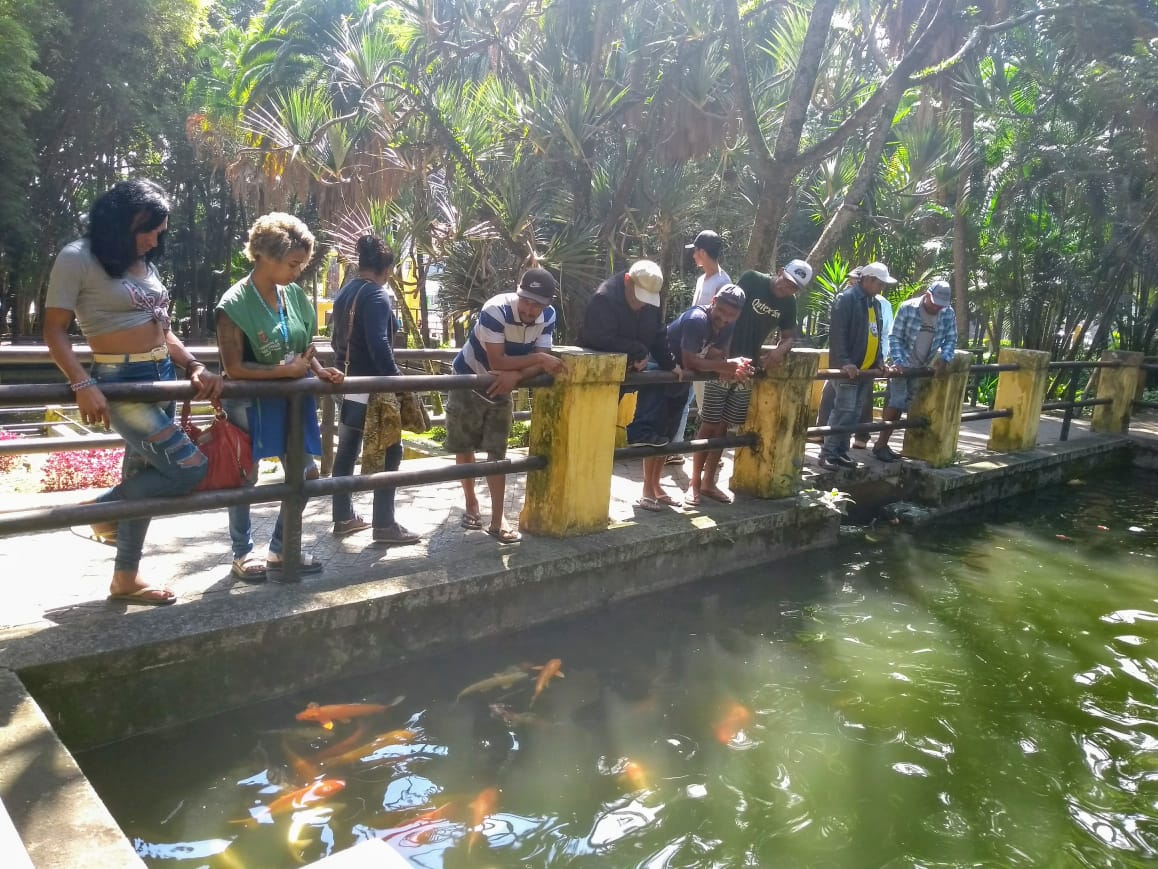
{"type": "Point", "coordinates": [779, 415]}
{"type": "Point", "coordinates": [573, 426]}
{"type": "Point", "coordinates": [1119, 385]}
{"type": "Point", "coordinates": [1022, 392]}
{"type": "Point", "coordinates": [817, 392]}
{"type": "Point", "coordinates": [939, 401]}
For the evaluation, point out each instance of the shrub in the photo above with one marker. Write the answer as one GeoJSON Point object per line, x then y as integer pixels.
{"type": "Point", "coordinates": [8, 462]}
{"type": "Point", "coordinates": [82, 469]}
{"type": "Point", "coordinates": [437, 434]}
{"type": "Point", "coordinates": [520, 435]}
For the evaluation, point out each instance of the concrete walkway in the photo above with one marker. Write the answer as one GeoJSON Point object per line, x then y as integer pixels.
{"type": "Point", "coordinates": [61, 578]}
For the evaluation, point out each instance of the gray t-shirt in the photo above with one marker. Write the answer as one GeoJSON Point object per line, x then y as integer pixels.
{"type": "Point", "coordinates": [102, 304]}
{"type": "Point", "coordinates": [923, 346]}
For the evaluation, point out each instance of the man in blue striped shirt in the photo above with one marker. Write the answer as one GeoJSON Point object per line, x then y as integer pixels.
{"type": "Point", "coordinates": [510, 340]}
{"type": "Point", "coordinates": [924, 333]}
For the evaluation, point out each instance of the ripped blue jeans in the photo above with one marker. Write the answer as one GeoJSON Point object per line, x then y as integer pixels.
{"type": "Point", "coordinates": [159, 460]}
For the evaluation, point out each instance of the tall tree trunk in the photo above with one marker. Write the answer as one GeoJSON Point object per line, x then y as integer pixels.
{"type": "Point", "coordinates": [857, 191]}
{"type": "Point", "coordinates": [966, 161]}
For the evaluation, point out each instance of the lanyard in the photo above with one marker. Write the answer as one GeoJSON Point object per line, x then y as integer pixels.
{"type": "Point", "coordinates": [283, 326]}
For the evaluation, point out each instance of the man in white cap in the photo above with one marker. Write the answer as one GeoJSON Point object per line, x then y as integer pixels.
{"type": "Point", "coordinates": [512, 339]}
{"type": "Point", "coordinates": [854, 346]}
{"type": "Point", "coordinates": [770, 301]}
{"type": "Point", "coordinates": [924, 333]}
{"type": "Point", "coordinates": [623, 316]}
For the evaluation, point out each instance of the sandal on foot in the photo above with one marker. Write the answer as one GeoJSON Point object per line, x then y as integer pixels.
{"type": "Point", "coordinates": [505, 535]}
{"type": "Point", "coordinates": [691, 499]}
{"type": "Point", "coordinates": [471, 521]}
{"type": "Point", "coordinates": [651, 504]}
{"type": "Point", "coordinates": [716, 495]}
{"type": "Point", "coordinates": [667, 500]}
{"type": "Point", "coordinates": [249, 568]}
{"type": "Point", "coordinates": [309, 565]}
{"type": "Point", "coordinates": [150, 595]}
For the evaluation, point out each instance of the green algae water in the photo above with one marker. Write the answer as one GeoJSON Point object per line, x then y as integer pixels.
{"type": "Point", "coordinates": [977, 693]}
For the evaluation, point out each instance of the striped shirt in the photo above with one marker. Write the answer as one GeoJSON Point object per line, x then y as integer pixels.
{"type": "Point", "coordinates": [498, 323]}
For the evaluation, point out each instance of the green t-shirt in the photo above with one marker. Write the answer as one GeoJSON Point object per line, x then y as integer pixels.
{"type": "Point", "coordinates": [761, 307]}
{"type": "Point", "coordinates": [271, 333]}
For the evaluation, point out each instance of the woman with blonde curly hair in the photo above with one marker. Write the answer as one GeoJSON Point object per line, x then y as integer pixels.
{"type": "Point", "coordinates": [265, 326]}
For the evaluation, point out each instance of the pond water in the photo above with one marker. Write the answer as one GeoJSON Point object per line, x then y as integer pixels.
{"type": "Point", "coordinates": [979, 693]}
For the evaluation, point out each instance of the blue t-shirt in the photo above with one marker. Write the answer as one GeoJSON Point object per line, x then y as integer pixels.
{"type": "Point", "coordinates": [692, 331]}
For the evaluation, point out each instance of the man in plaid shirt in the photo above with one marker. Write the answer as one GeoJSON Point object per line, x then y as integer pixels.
{"type": "Point", "coordinates": [924, 333]}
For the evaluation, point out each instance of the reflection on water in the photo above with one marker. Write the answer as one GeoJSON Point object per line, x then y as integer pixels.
{"type": "Point", "coordinates": [981, 693]}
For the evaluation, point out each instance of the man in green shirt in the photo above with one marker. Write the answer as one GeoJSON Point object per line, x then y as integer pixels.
{"type": "Point", "coordinates": [770, 301]}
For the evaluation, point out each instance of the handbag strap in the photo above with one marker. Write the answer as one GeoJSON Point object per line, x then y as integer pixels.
{"type": "Point", "coordinates": [350, 324]}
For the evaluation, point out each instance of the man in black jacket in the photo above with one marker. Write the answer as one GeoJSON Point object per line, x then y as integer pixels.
{"type": "Point", "coordinates": [623, 317]}
{"type": "Point", "coordinates": [854, 346]}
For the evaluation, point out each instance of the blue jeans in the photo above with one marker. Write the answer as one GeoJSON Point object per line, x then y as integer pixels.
{"type": "Point", "coordinates": [353, 417]}
{"type": "Point", "coordinates": [240, 524]}
{"type": "Point", "coordinates": [847, 405]}
{"type": "Point", "coordinates": [683, 425]}
{"type": "Point", "coordinates": [159, 459]}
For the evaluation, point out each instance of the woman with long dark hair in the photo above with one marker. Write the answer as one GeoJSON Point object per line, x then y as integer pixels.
{"type": "Point", "coordinates": [108, 281]}
{"type": "Point", "coordinates": [265, 331]}
{"type": "Point", "coordinates": [363, 338]}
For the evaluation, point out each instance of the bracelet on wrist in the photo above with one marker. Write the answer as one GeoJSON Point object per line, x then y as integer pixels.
{"type": "Point", "coordinates": [82, 384]}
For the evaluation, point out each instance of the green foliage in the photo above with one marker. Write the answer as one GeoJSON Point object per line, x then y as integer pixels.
{"type": "Point", "coordinates": [520, 435]}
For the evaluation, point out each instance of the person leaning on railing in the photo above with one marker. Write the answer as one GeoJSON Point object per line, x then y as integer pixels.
{"type": "Point", "coordinates": [363, 337]}
{"type": "Point", "coordinates": [107, 280]}
{"type": "Point", "coordinates": [265, 326]}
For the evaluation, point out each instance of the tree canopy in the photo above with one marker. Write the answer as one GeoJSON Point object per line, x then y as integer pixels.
{"type": "Point", "coordinates": [1010, 145]}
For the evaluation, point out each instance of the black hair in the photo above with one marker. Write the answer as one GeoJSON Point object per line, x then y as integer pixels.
{"type": "Point", "coordinates": [128, 209]}
{"type": "Point", "coordinates": [373, 255]}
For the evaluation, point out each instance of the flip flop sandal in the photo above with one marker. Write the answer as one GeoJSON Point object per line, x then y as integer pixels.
{"type": "Point", "coordinates": [505, 536]}
{"type": "Point", "coordinates": [716, 496]}
{"type": "Point", "coordinates": [471, 522]}
{"type": "Point", "coordinates": [668, 500]}
{"type": "Point", "coordinates": [309, 565]}
{"type": "Point", "coordinates": [691, 500]}
{"type": "Point", "coordinates": [248, 568]}
{"type": "Point", "coordinates": [650, 504]}
{"type": "Point", "coordinates": [150, 595]}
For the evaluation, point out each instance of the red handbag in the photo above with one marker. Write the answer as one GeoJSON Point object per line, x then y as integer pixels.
{"type": "Point", "coordinates": [227, 448]}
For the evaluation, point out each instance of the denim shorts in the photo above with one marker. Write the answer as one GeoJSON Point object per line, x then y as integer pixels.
{"type": "Point", "coordinates": [900, 392]}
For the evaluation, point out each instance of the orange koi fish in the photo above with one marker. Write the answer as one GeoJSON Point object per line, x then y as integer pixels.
{"type": "Point", "coordinates": [299, 799]}
{"type": "Point", "coordinates": [342, 746]}
{"type": "Point", "coordinates": [547, 672]}
{"type": "Point", "coordinates": [480, 807]}
{"type": "Point", "coordinates": [633, 776]}
{"type": "Point", "coordinates": [327, 715]}
{"type": "Point", "coordinates": [303, 769]}
{"type": "Point", "coordinates": [733, 719]}
{"type": "Point", "coordinates": [393, 737]}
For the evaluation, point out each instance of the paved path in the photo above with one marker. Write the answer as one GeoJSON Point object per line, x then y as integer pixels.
{"type": "Point", "coordinates": [62, 578]}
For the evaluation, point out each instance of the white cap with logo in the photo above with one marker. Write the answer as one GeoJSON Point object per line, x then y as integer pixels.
{"type": "Point", "coordinates": [799, 272]}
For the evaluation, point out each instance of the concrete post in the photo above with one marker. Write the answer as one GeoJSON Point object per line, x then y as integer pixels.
{"type": "Point", "coordinates": [573, 426]}
{"type": "Point", "coordinates": [1023, 392]}
{"type": "Point", "coordinates": [939, 401]}
{"type": "Point", "coordinates": [779, 414]}
{"type": "Point", "coordinates": [814, 397]}
{"type": "Point", "coordinates": [1119, 385]}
